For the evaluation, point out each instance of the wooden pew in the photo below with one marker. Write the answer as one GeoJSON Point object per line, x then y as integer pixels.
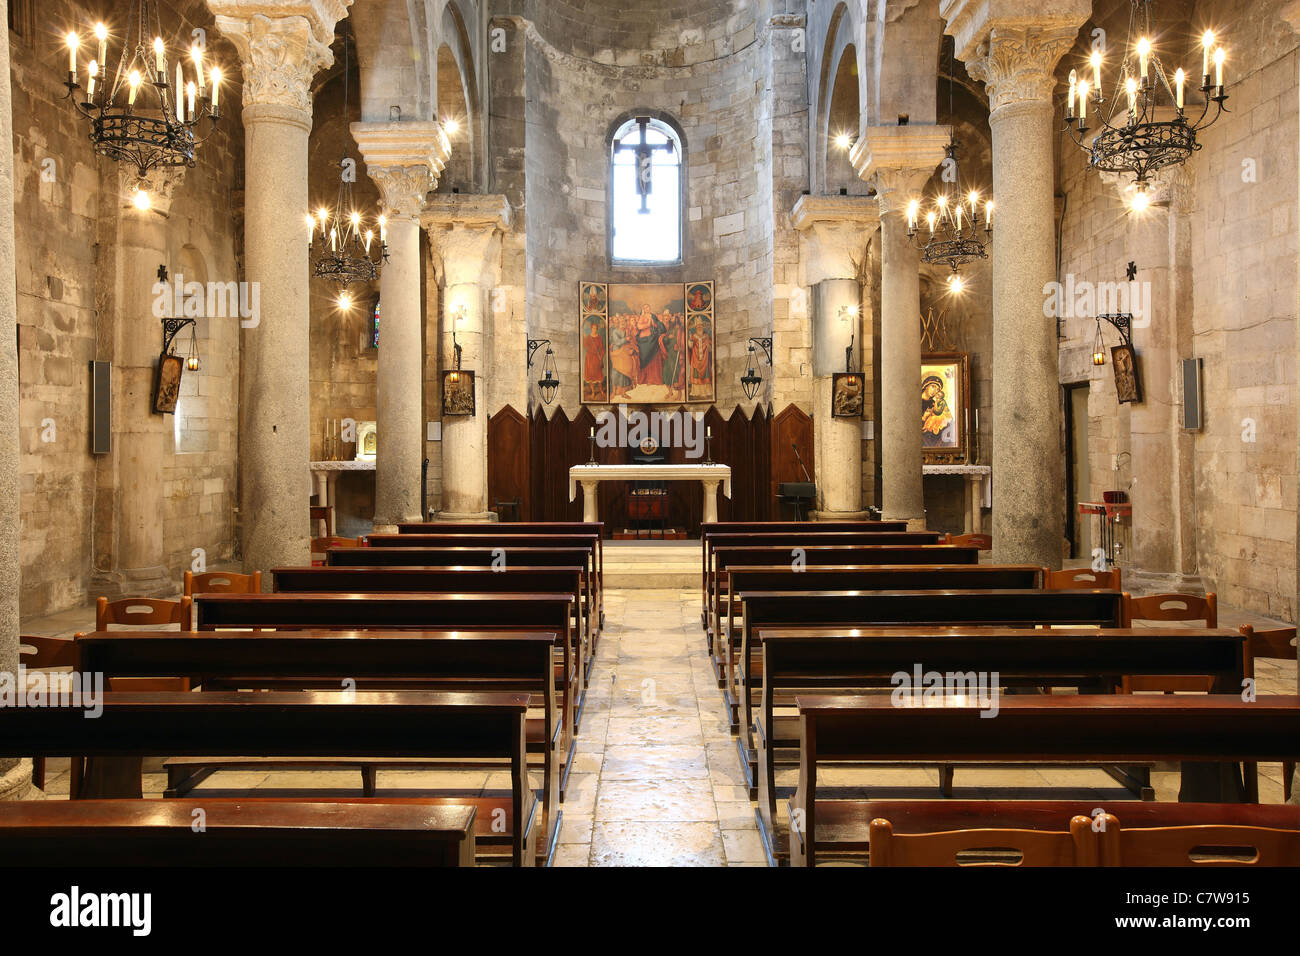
{"type": "Point", "coordinates": [864, 577]}
{"type": "Point", "coordinates": [370, 580]}
{"type": "Point", "coordinates": [80, 833]}
{"type": "Point", "coordinates": [816, 553]}
{"type": "Point", "coordinates": [547, 612]}
{"type": "Point", "coordinates": [809, 659]}
{"type": "Point", "coordinates": [1022, 607]}
{"type": "Point", "coordinates": [517, 662]}
{"type": "Point", "coordinates": [725, 527]}
{"type": "Point", "coordinates": [428, 725]}
{"type": "Point", "coordinates": [516, 529]}
{"type": "Point", "coordinates": [502, 555]}
{"type": "Point", "coordinates": [1114, 728]}
{"type": "Point", "coordinates": [843, 825]}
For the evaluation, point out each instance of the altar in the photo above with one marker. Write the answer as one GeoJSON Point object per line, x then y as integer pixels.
{"type": "Point", "coordinates": [979, 489]}
{"type": "Point", "coordinates": [590, 476]}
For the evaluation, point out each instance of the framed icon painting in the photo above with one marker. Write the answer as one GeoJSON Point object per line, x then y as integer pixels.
{"type": "Point", "coordinates": [945, 407]}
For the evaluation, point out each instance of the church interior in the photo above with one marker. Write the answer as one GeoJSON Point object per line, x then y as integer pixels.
{"type": "Point", "coordinates": [485, 433]}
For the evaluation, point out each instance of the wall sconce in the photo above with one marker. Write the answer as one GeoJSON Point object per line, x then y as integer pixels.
{"type": "Point", "coordinates": [847, 314]}
{"type": "Point", "coordinates": [549, 383]}
{"type": "Point", "coordinates": [172, 325]}
{"type": "Point", "coordinates": [751, 380]}
{"type": "Point", "coordinates": [1122, 322]}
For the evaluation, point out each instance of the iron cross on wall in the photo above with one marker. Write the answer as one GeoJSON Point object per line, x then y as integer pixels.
{"type": "Point", "coordinates": [644, 159]}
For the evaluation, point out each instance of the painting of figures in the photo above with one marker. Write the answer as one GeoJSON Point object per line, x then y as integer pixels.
{"type": "Point", "coordinates": [646, 344]}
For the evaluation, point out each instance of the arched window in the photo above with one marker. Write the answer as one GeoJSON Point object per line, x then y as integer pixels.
{"type": "Point", "coordinates": [645, 192]}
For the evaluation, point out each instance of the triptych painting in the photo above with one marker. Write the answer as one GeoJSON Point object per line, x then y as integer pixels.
{"type": "Point", "coordinates": [646, 344]}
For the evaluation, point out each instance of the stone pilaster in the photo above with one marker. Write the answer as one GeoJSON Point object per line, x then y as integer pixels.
{"type": "Point", "coordinates": [833, 236]}
{"type": "Point", "coordinates": [466, 233]}
{"type": "Point", "coordinates": [900, 160]}
{"type": "Point", "coordinates": [15, 775]}
{"type": "Point", "coordinates": [141, 437]}
{"type": "Point", "coordinates": [281, 47]}
{"type": "Point", "coordinates": [1013, 48]}
{"type": "Point", "coordinates": [404, 160]}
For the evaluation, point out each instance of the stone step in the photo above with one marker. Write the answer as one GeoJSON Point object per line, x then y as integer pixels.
{"type": "Point", "coordinates": [640, 565]}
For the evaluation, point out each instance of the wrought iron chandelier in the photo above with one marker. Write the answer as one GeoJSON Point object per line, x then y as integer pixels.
{"type": "Point", "coordinates": [147, 113]}
{"type": "Point", "coordinates": [1145, 126]}
{"type": "Point", "coordinates": [952, 236]}
{"type": "Point", "coordinates": [346, 250]}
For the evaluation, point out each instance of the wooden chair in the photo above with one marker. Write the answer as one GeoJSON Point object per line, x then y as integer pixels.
{"type": "Point", "coordinates": [982, 541]}
{"type": "Point", "coordinates": [322, 546]}
{"type": "Point", "coordinates": [132, 613]}
{"type": "Point", "coordinates": [1197, 845]}
{"type": "Point", "coordinates": [985, 847]}
{"type": "Point", "coordinates": [324, 513]}
{"type": "Point", "coordinates": [1082, 579]}
{"type": "Point", "coordinates": [45, 652]}
{"type": "Point", "coordinates": [222, 582]}
{"type": "Point", "coordinates": [1172, 607]}
{"type": "Point", "coordinates": [1278, 644]}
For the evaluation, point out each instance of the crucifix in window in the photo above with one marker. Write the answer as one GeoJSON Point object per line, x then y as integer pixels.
{"type": "Point", "coordinates": [645, 151]}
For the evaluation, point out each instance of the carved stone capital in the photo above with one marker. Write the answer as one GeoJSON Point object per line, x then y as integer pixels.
{"type": "Point", "coordinates": [281, 46]}
{"type": "Point", "coordinates": [404, 160]}
{"type": "Point", "coordinates": [1290, 14]}
{"type": "Point", "coordinates": [1018, 64]}
{"type": "Point", "coordinates": [833, 233]}
{"type": "Point", "coordinates": [465, 233]}
{"type": "Point", "coordinates": [900, 160]}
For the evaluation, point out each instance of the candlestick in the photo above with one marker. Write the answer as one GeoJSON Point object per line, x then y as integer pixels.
{"type": "Point", "coordinates": [160, 66]}
{"type": "Point", "coordinates": [1179, 79]}
{"type": "Point", "coordinates": [1218, 67]}
{"type": "Point", "coordinates": [1074, 88]}
{"type": "Point", "coordinates": [1207, 42]}
{"type": "Point", "coordinates": [216, 83]}
{"type": "Point", "coordinates": [101, 34]}
{"type": "Point", "coordinates": [1096, 71]}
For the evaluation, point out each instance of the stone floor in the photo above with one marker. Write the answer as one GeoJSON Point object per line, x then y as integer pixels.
{"type": "Point", "coordinates": [657, 779]}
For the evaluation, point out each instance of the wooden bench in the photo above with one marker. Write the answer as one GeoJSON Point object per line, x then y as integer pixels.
{"type": "Point", "coordinates": [817, 554]}
{"type": "Point", "coordinates": [469, 579]}
{"type": "Point", "coordinates": [426, 725]}
{"type": "Point", "coordinates": [862, 577]}
{"type": "Point", "coordinates": [423, 611]}
{"type": "Point", "coordinates": [1020, 607]}
{"type": "Point", "coordinates": [504, 555]}
{"type": "Point", "coordinates": [322, 660]}
{"type": "Point", "coordinates": [806, 660]}
{"type": "Point", "coordinates": [516, 529]}
{"type": "Point", "coordinates": [80, 833]}
{"type": "Point", "coordinates": [1114, 728]}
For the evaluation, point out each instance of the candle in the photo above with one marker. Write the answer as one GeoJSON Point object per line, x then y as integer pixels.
{"type": "Point", "coordinates": [974, 204]}
{"type": "Point", "coordinates": [988, 214]}
{"type": "Point", "coordinates": [197, 56]}
{"type": "Point", "coordinates": [334, 235]}
{"type": "Point", "coordinates": [593, 433]}
{"type": "Point", "coordinates": [180, 84]}
{"type": "Point", "coordinates": [101, 34]}
{"type": "Point", "coordinates": [133, 79]}
{"type": "Point", "coordinates": [1096, 73]}
{"type": "Point", "coordinates": [1218, 67]}
{"type": "Point", "coordinates": [913, 208]}
{"type": "Point", "coordinates": [1144, 57]}
{"type": "Point", "coordinates": [708, 431]}
{"type": "Point", "coordinates": [1207, 42]}
{"type": "Point", "coordinates": [159, 64]}
{"type": "Point", "coordinates": [370, 234]}
{"type": "Point", "coordinates": [957, 212]}
{"type": "Point", "coordinates": [383, 228]}
{"type": "Point", "coordinates": [216, 82]}
{"type": "Point", "coordinates": [190, 92]}
{"type": "Point", "coordinates": [1131, 86]}
{"type": "Point", "coordinates": [311, 227]}
{"type": "Point", "coordinates": [1074, 88]}
{"type": "Point", "coordinates": [930, 218]}
{"type": "Point", "coordinates": [1179, 79]}
{"type": "Point", "coordinates": [73, 42]}
{"type": "Point", "coordinates": [1083, 101]}
{"type": "Point", "coordinates": [93, 70]}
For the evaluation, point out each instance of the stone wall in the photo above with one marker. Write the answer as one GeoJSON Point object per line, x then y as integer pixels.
{"type": "Point", "coordinates": [66, 201]}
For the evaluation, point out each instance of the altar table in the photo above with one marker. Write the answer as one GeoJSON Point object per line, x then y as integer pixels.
{"type": "Point", "coordinates": [589, 476]}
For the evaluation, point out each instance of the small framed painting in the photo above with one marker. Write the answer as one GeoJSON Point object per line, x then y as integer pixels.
{"type": "Point", "coordinates": [457, 392]}
{"type": "Point", "coordinates": [167, 384]}
{"type": "Point", "coordinates": [847, 391]}
{"type": "Point", "coordinates": [1128, 383]}
{"type": "Point", "coordinates": [945, 407]}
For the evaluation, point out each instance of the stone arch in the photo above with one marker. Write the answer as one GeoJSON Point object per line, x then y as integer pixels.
{"type": "Point", "coordinates": [841, 64]}
{"type": "Point", "coordinates": [457, 104]}
{"type": "Point", "coordinates": [905, 50]}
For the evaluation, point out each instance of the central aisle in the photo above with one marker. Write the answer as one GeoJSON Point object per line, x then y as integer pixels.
{"type": "Point", "coordinates": [657, 779]}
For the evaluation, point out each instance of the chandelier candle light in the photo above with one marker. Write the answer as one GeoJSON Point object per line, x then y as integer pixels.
{"type": "Point", "coordinates": [145, 114]}
{"type": "Point", "coordinates": [1144, 126]}
{"type": "Point", "coordinates": [951, 234]}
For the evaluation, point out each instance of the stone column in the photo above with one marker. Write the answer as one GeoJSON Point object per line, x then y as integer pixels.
{"type": "Point", "coordinates": [1013, 46]}
{"type": "Point", "coordinates": [833, 234]}
{"type": "Point", "coordinates": [901, 160]}
{"type": "Point", "coordinates": [15, 775]}
{"type": "Point", "coordinates": [138, 560]}
{"type": "Point", "coordinates": [404, 160]}
{"type": "Point", "coordinates": [280, 54]}
{"type": "Point", "coordinates": [465, 232]}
